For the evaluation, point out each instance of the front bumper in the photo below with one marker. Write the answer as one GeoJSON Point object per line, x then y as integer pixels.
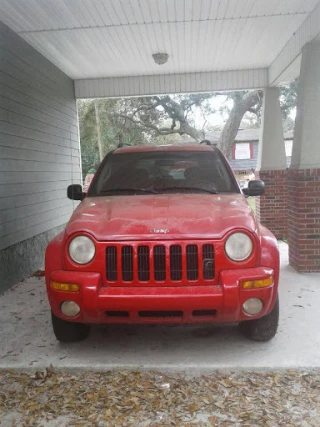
{"type": "Point", "coordinates": [177, 304]}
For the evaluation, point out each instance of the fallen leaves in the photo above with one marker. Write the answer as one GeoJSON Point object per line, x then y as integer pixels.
{"type": "Point", "coordinates": [150, 399]}
{"type": "Point", "coordinates": [38, 273]}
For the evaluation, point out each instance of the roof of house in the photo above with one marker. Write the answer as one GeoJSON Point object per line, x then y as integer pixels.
{"type": "Point", "coordinates": [242, 135]}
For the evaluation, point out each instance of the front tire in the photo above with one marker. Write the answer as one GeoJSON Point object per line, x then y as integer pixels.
{"type": "Point", "coordinates": [263, 329]}
{"type": "Point", "coordinates": [69, 331]}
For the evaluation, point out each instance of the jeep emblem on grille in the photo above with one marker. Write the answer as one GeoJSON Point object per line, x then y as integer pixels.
{"type": "Point", "coordinates": [208, 264]}
{"type": "Point", "coordinates": [159, 230]}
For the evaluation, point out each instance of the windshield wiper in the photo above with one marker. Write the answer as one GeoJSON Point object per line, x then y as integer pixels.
{"type": "Point", "coordinates": [188, 189]}
{"type": "Point", "coordinates": [115, 190]}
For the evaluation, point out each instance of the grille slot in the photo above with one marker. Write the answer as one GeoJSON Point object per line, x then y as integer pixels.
{"type": "Point", "coordinates": [152, 262]}
{"type": "Point", "coordinates": [175, 262]}
{"type": "Point", "coordinates": [111, 254]}
{"type": "Point", "coordinates": [159, 260]}
{"type": "Point", "coordinates": [208, 262]}
{"type": "Point", "coordinates": [167, 313]}
{"type": "Point", "coordinates": [127, 263]}
{"type": "Point", "coordinates": [117, 313]}
{"type": "Point", "coordinates": [192, 262]}
{"type": "Point", "coordinates": [201, 313]}
{"type": "Point", "coordinates": [143, 264]}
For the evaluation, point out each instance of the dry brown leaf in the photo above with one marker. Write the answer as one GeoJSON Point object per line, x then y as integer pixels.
{"type": "Point", "coordinates": [121, 399]}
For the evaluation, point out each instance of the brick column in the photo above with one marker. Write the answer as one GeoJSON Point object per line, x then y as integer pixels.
{"type": "Point", "coordinates": [304, 172]}
{"type": "Point", "coordinates": [304, 219]}
{"type": "Point", "coordinates": [271, 207]}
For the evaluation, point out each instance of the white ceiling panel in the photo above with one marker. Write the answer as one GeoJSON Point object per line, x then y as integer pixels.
{"type": "Point", "coordinates": [109, 38]}
{"type": "Point", "coordinates": [37, 15]}
{"type": "Point", "coordinates": [192, 46]}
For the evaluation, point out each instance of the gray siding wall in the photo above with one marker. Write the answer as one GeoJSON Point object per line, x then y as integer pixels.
{"type": "Point", "coordinates": [39, 142]}
{"type": "Point", "coordinates": [246, 164]}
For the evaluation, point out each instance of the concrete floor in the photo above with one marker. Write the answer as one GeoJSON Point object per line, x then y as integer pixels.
{"type": "Point", "coordinates": [27, 341]}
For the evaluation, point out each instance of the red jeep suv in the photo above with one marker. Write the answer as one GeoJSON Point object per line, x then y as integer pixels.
{"type": "Point", "coordinates": [164, 235]}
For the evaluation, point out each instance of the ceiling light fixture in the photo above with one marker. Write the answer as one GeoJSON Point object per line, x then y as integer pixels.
{"type": "Point", "coordinates": [160, 58]}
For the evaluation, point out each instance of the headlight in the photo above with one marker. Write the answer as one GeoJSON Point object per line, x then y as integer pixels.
{"type": "Point", "coordinates": [82, 249]}
{"type": "Point", "coordinates": [238, 246]}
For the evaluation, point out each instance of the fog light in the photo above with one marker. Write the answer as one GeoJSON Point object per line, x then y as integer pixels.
{"type": "Point", "coordinates": [70, 308]}
{"type": "Point", "coordinates": [252, 306]}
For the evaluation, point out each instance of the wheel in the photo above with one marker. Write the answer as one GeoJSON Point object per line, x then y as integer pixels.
{"type": "Point", "coordinates": [69, 331]}
{"type": "Point", "coordinates": [263, 329]}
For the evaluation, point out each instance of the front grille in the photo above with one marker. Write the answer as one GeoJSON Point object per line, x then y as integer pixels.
{"type": "Point", "coordinates": [175, 262]}
{"type": "Point", "coordinates": [111, 263]}
{"type": "Point", "coordinates": [166, 313]}
{"type": "Point", "coordinates": [160, 263]}
{"type": "Point", "coordinates": [127, 263]}
{"type": "Point", "coordinates": [208, 261]}
{"type": "Point", "coordinates": [192, 262]}
{"type": "Point", "coordinates": [158, 314]}
{"type": "Point", "coordinates": [159, 259]}
{"type": "Point", "coordinates": [143, 264]}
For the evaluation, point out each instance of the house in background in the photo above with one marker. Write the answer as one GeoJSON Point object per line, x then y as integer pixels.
{"type": "Point", "coordinates": [244, 155]}
{"type": "Point", "coordinates": [245, 149]}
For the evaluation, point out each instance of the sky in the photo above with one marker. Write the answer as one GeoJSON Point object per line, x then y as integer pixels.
{"type": "Point", "coordinates": [216, 118]}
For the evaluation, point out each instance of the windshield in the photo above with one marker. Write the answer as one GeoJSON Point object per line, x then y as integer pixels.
{"type": "Point", "coordinates": [163, 172]}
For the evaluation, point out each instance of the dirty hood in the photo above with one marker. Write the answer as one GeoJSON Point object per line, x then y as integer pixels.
{"type": "Point", "coordinates": [159, 217]}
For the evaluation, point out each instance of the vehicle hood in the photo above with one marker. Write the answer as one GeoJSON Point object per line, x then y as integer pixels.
{"type": "Point", "coordinates": [147, 216]}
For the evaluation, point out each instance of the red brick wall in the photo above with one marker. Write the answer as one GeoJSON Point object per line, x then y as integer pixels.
{"type": "Point", "coordinates": [271, 207]}
{"type": "Point", "coordinates": [304, 219]}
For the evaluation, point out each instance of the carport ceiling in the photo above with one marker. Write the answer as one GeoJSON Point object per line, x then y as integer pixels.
{"type": "Point", "coordinates": [90, 39]}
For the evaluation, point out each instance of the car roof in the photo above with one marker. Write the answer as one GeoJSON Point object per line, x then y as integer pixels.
{"type": "Point", "coordinates": [173, 147]}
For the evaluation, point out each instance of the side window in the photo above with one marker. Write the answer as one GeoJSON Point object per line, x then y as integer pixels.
{"type": "Point", "coordinates": [103, 178]}
{"type": "Point", "coordinates": [223, 177]}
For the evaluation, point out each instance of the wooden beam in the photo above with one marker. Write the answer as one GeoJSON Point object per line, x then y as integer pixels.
{"type": "Point", "coordinates": [171, 83]}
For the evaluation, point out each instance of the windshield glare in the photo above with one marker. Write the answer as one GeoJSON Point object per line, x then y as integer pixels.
{"type": "Point", "coordinates": [163, 172]}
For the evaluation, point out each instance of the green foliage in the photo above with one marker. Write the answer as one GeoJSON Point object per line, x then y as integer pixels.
{"type": "Point", "coordinates": [133, 121]}
{"type": "Point", "coordinates": [114, 129]}
{"type": "Point", "coordinates": [288, 98]}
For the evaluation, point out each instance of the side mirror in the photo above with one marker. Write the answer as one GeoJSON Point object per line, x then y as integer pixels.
{"type": "Point", "coordinates": [255, 188]}
{"type": "Point", "coordinates": [74, 192]}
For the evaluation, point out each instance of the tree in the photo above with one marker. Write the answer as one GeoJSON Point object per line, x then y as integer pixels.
{"type": "Point", "coordinates": [173, 114]}
{"type": "Point", "coordinates": [153, 119]}
{"type": "Point", "coordinates": [242, 102]}
{"type": "Point", "coordinates": [98, 130]}
{"type": "Point", "coordinates": [178, 110]}
{"type": "Point", "coordinates": [288, 98]}
{"type": "Point", "coordinates": [113, 129]}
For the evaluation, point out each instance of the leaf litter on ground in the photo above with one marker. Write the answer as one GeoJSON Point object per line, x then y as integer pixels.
{"type": "Point", "coordinates": [143, 399]}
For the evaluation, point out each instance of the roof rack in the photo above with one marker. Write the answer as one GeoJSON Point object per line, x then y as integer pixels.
{"type": "Point", "coordinates": [207, 142]}
{"type": "Point", "coordinates": [123, 144]}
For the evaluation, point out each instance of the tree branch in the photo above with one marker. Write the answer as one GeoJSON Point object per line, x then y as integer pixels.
{"type": "Point", "coordinates": [176, 111]}
{"type": "Point", "coordinates": [145, 107]}
{"type": "Point", "coordinates": [160, 131]}
{"type": "Point", "coordinates": [240, 107]}
{"type": "Point", "coordinates": [171, 107]}
{"type": "Point", "coordinates": [254, 110]}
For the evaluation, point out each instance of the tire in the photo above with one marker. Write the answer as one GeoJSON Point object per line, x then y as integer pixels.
{"type": "Point", "coordinates": [69, 331]}
{"type": "Point", "coordinates": [263, 329]}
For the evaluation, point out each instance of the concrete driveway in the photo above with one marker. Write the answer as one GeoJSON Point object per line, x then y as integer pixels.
{"type": "Point", "coordinates": [27, 340]}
